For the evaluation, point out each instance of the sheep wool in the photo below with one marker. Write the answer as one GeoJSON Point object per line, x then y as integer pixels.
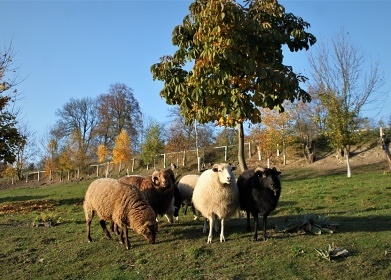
{"type": "Point", "coordinates": [216, 195]}
{"type": "Point", "coordinates": [259, 192]}
{"type": "Point", "coordinates": [124, 205]}
{"type": "Point", "coordinates": [157, 189]}
{"type": "Point", "coordinates": [186, 187]}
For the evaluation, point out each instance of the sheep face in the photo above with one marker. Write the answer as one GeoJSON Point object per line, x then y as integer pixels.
{"type": "Point", "coordinates": [163, 178]}
{"type": "Point", "coordinates": [224, 172]}
{"type": "Point", "coordinates": [149, 230]}
{"type": "Point", "coordinates": [268, 177]}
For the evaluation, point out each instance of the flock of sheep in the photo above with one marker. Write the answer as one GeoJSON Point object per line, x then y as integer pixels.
{"type": "Point", "coordinates": [136, 201]}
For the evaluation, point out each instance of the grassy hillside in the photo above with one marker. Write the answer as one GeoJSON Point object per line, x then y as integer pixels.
{"type": "Point", "coordinates": [361, 205]}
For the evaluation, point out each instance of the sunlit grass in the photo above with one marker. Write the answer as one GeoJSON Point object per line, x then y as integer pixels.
{"type": "Point", "coordinates": [360, 204]}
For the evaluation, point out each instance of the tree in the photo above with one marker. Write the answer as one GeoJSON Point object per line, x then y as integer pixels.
{"type": "Point", "coordinates": [102, 153]}
{"type": "Point", "coordinates": [153, 143]}
{"type": "Point", "coordinates": [344, 87]}
{"type": "Point", "coordinates": [227, 137]}
{"type": "Point", "coordinates": [121, 150]}
{"type": "Point", "coordinates": [237, 62]}
{"type": "Point", "coordinates": [279, 127]}
{"type": "Point", "coordinates": [76, 127]}
{"type": "Point", "coordinates": [118, 109]}
{"type": "Point", "coordinates": [10, 138]}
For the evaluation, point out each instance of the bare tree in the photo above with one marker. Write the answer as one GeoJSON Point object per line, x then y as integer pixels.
{"type": "Point", "coordinates": [76, 127]}
{"type": "Point", "coordinates": [344, 82]}
{"type": "Point", "coordinates": [118, 109]}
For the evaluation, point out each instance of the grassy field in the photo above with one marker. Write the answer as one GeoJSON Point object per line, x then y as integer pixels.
{"type": "Point", "coordinates": [361, 205]}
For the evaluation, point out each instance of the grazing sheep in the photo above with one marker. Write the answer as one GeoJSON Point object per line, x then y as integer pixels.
{"type": "Point", "coordinates": [259, 192]}
{"type": "Point", "coordinates": [216, 195]}
{"type": "Point", "coordinates": [186, 187]}
{"type": "Point", "coordinates": [158, 190]}
{"type": "Point", "coordinates": [124, 205]}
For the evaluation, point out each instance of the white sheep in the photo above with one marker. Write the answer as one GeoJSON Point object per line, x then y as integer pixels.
{"type": "Point", "coordinates": [186, 187]}
{"type": "Point", "coordinates": [216, 195]}
{"type": "Point", "coordinates": [124, 204]}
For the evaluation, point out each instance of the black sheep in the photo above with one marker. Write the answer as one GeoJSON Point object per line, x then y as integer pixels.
{"type": "Point", "coordinates": [259, 192]}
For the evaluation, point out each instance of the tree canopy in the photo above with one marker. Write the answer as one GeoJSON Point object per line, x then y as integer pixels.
{"type": "Point", "coordinates": [229, 61]}
{"type": "Point", "coordinates": [10, 138]}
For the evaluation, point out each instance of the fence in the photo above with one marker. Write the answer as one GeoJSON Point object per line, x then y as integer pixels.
{"type": "Point", "coordinates": [187, 158]}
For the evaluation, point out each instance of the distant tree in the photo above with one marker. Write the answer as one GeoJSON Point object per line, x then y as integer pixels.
{"type": "Point", "coordinates": [102, 153]}
{"type": "Point", "coordinates": [227, 136]}
{"type": "Point", "coordinates": [118, 109]}
{"type": "Point", "coordinates": [179, 135]}
{"type": "Point", "coordinates": [153, 143]}
{"type": "Point", "coordinates": [236, 60]}
{"type": "Point", "coordinates": [122, 151]}
{"type": "Point", "coordinates": [280, 127]}
{"type": "Point", "coordinates": [11, 138]}
{"type": "Point", "coordinates": [65, 162]}
{"type": "Point", "coordinates": [51, 157]}
{"type": "Point", "coordinates": [76, 128]}
{"type": "Point", "coordinates": [182, 136]}
{"type": "Point", "coordinates": [343, 85]}
{"type": "Point", "coordinates": [25, 149]}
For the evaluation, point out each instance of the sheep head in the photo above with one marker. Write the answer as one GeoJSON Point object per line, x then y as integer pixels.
{"type": "Point", "coordinates": [224, 172]}
{"type": "Point", "coordinates": [268, 178]}
{"type": "Point", "coordinates": [164, 178]}
{"type": "Point", "coordinates": [149, 230]}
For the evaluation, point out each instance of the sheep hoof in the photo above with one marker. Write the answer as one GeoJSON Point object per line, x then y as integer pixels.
{"type": "Point", "coordinates": [209, 240]}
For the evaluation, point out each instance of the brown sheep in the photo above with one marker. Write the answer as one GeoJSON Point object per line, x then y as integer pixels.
{"type": "Point", "coordinates": [158, 190]}
{"type": "Point", "coordinates": [124, 205]}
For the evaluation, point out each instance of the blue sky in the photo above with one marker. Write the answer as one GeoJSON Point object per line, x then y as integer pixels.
{"type": "Point", "coordinates": [77, 49]}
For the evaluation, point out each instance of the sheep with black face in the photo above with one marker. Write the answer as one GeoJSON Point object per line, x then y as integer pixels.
{"type": "Point", "coordinates": [259, 193]}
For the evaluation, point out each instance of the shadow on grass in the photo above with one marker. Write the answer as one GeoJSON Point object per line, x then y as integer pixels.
{"type": "Point", "coordinates": [236, 228]}
{"type": "Point", "coordinates": [20, 198]}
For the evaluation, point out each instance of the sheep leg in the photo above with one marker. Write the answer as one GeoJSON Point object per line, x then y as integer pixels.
{"type": "Point", "coordinates": [211, 223]}
{"type": "Point", "coordinates": [264, 227]}
{"type": "Point", "coordinates": [222, 238]}
{"type": "Point", "coordinates": [256, 222]}
{"type": "Point", "coordinates": [170, 212]}
{"type": "Point", "coordinates": [103, 225]}
{"type": "Point", "coordinates": [89, 231]}
{"type": "Point", "coordinates": [114, 227]}
{"type": "Point", "coordinates": [194, 212]}
{"type": "Point", "coordinates": [124, 237]}
{"type": "Point", "coordinates": [248, 220]}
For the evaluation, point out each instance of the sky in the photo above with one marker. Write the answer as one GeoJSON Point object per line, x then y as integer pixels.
{"type": "Point", "coordinates": [77, 49]}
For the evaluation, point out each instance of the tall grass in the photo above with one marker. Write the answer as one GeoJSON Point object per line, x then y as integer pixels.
{"type": "Point", "coordinates": [360, 204]}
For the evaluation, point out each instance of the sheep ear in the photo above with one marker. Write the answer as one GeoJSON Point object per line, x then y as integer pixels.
{"type": "Point", "coordinates": [215, 168]}
{"type": "Point", "coordinates": [276, 172]}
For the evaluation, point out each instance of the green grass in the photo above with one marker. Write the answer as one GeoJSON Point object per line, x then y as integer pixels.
{"type": "Point", "coordinates": [360, 204]}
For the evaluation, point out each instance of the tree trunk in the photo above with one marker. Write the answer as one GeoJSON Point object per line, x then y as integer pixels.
{"type": "Point", "coordinates": [349, 173]}
{"type": "Point", "coordinates": [241, 158]}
